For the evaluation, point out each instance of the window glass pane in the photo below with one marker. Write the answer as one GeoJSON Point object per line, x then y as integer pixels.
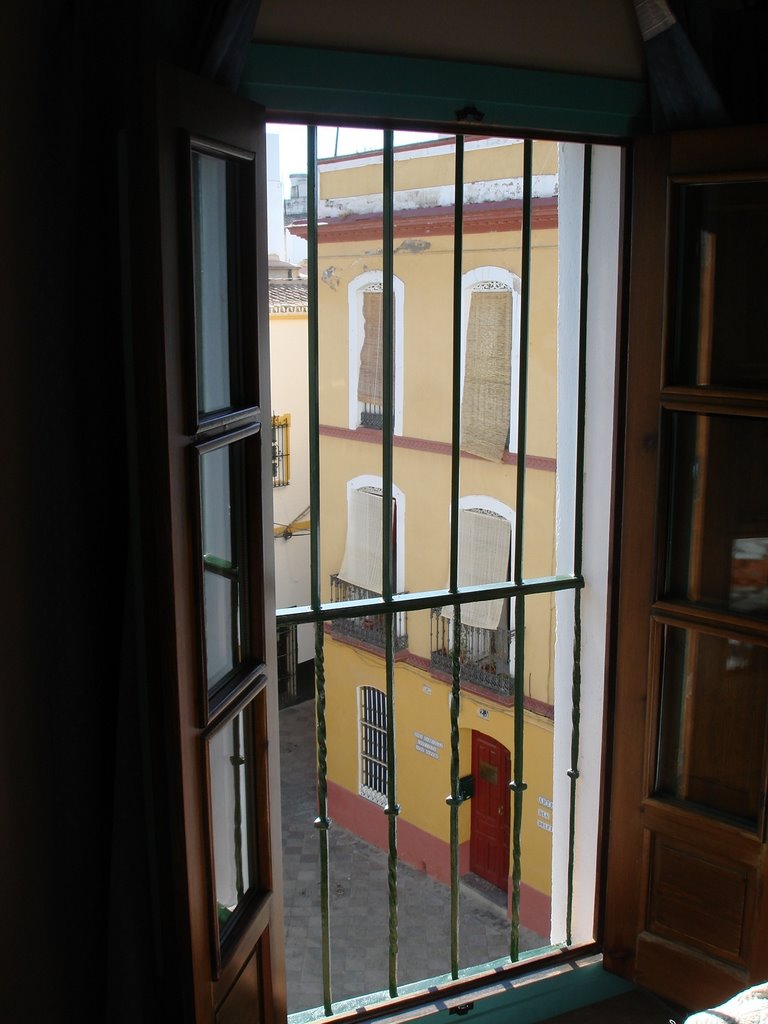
{"type": "Point", "coordinates": [232, 785]}
{"type": "Point", "coordinates": [221, 487]}
{"type": "Point", "coordinates": [424, 216]}
{"type": "Point", "coordinates": [350, 326]}
{"type": "Point", "coordinates": [552, 339]}
{"type": "Point", "coordinates": [212, 250]}
{"type": "Point", "coordinates": [719, 513]}
{"type": "Point", "coordinates": [713, 720]}
{"type": "Point", "coordinates": [720, 312]}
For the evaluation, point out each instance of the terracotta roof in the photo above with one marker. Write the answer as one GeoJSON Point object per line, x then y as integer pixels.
{"type": "Point", "coordinates": [288, 296]}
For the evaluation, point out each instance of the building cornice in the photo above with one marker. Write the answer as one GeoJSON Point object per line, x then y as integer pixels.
{"type": "Point", "coordinates": [478, 218]}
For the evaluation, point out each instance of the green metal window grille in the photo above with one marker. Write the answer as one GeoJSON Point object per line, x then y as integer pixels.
{"type": "Point", "coordinates": [388, 606]}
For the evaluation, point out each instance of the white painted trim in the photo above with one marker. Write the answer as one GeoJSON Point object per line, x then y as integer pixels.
{"type": "Point", "coordinates": [367, 480]}
{"type": "Point", "coordinates": [355, 290]}
{"type": "Point", "coordinates": [493, 190]}
{"type": "Point", "coordinates": [483, 275]}
{"type": "Point", "coordinates": [602, 309]}
{"type": "Point", "coordinates": [488, 504]}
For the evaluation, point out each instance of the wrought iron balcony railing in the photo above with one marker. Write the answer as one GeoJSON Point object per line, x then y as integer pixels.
{"type": "Point", "coordinates": [370, 629]}
{"type": "Point", "coordinates": [372, 416]}
{"type": "Point", "coordinates": [486, 654]}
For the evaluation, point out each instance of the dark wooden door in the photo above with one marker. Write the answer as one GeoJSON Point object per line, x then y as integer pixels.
{"type": "Point", "coordinates": [686, 902]}
{"type": "Point", "coordinates": [489, 838]}
{"type": "Point", "coordinates": [200, 344]}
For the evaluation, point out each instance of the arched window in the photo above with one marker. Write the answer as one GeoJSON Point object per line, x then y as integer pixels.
{"type": "Point", "coordinates": [366, 350]}
{"type": "Point", "coordinates": [486, 529]}
{"type": "Point", "coordinates": [362, 562]}
{"type": "Point", "coordinates": [361, 572]}
{"type": "Point", "coordinates": [490, 353]}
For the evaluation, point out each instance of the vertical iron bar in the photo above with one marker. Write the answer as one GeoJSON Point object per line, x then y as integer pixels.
{"type": "Point", "coordinates": [392, 809]}
{"type": "Point", "coordinates": [388, 376]}
{"type": "Point", "coordinates": [313, 369]}
{"type": "Point", "coordinates": [573, 771]}
{"type": "Point", "coordinates": [517, 785]}
{"type": "Point", "coordinates": [322, 822]}
{"type": "Point", "coordinates": [454, 800]}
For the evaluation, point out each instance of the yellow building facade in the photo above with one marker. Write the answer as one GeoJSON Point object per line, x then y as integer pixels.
{"type": "Point", "coordinates": [349, 318]}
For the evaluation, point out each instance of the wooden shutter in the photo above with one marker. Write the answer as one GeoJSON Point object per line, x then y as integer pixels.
{"type": "Point", "coordinates": [201, 350]}
{"type": "Point", "coordinates": [686, 899]}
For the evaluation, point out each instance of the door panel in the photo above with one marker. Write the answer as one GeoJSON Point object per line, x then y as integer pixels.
{"type": "Point", "coordinates": [688, 788]}
{"type": "Point", "coordinates": [489, 839]}
{"type": "Point", "coordinates": [201, 349]}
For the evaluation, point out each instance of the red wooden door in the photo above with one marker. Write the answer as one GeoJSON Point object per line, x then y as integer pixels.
{"type": "Point", "coordinates": [489, 840]}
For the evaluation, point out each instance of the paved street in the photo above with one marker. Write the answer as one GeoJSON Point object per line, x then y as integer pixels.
{"type": "Point", "coordinates": [358, 898]}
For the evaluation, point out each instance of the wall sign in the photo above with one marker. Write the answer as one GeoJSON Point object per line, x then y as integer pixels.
{"type": "Point", "coordinates": [426, 745]}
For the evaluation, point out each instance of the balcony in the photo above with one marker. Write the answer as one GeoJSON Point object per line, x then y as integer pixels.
{"type": "Point", "coordinates": [486, 654]}
{"type": "Point", "coordinates": [372, 416]}
{"type": "Point", "coordinates": [369, 629]}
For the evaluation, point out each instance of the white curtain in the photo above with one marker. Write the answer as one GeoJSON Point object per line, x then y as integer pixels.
{"type": "Point", "coordinates": [361, 565]}
{"type": "Point", "coordinates": [484, 545]}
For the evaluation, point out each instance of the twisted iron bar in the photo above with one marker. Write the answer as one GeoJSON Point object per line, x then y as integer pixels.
{"type": "Point", "coordinates": [322, 822]}
{"type": "Point", "coordinates": [455, 799]}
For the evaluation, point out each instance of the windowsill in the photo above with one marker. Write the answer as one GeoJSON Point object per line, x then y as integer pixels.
{"type": "Point", "coordinates": [527, 996]}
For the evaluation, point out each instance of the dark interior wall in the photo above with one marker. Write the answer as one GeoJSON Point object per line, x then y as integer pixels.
{"type": "Point", "coordinates": [558, 34]}
{"type": "Point", "coordinates": [75, 945]}
{"type": "Point", "coordinates": [64, 521]}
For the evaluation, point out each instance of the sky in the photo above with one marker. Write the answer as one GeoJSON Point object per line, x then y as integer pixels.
{"type": "Point", "coordinates": [293, 144]}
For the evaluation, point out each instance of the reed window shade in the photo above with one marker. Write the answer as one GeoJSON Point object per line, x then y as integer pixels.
{"type": "Point", "coordinates": [485, 405]}
{"type": "Point", "coordinates": [370, 378]}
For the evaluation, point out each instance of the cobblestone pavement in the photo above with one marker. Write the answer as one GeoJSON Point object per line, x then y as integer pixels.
{"type": "Point", "coordinates": [358, 898]}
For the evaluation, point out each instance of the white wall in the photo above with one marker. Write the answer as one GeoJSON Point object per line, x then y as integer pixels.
{"type": "Point", "coordinates": [601, 342]}
{"type": "Point", "coordinates": [275, 232]}
{"type": "Point", "coordinates": [288, 353]}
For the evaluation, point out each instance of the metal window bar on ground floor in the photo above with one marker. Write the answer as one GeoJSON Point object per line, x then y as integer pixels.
{"type": "Point", "coordinates": [281, 450]}
{"type": "Point", "coordinates": [373, 743]}
{"type": "Point", "coordinates": [389, 606]}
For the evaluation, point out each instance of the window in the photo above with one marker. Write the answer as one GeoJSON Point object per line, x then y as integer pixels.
{"type": "Point", "coordinates": [366, 351]}
{"type": "Point", "coordinates": [466, 353]}
{"type": "Point", "coordinates": [281, 450]}
{"type": "Point", "coordinates": [372, 714]}
{"type": "Point", "coordinates": [361, 572]}
{"type": "Point", "coordinates": [287, 664]}
{"type": "Point", "coordinates": [490, 359]}
{"type": "Point", "coordinates": [487, 638]}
